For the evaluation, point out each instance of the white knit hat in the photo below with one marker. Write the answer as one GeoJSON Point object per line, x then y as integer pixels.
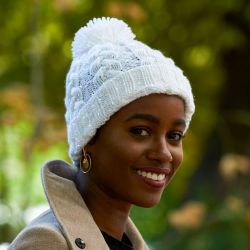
{"type": "Point", "coordinates": [109, 70]}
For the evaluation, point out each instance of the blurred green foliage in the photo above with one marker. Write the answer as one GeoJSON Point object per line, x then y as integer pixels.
{"type": "Point", "coordinates": [207, 204]}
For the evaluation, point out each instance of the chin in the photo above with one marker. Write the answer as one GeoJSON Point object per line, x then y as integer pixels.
{"type": "Point", "coordinates": [148, 203]}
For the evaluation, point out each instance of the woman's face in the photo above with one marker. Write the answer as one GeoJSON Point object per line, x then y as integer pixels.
{"type": "Point", "coordinates": [139, 150]}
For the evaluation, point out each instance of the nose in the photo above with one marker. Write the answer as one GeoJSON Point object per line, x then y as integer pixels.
{"type": "Point", "coordinates": [160, 151]}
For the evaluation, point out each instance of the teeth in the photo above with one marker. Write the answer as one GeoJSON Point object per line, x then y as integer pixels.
{"type": "Point", "coordinates": [149, 175]}
{"type": "Point", "coordinates": [152, 176]}
{"type": "Point", "coordinates": [160, 177]}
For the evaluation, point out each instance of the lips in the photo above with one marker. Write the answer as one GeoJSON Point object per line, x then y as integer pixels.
{"type": "Point", "coordinates": [156, 177]}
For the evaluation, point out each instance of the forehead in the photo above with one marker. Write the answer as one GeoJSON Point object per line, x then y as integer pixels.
{"type": "Point", "coordinates": [160, 105]}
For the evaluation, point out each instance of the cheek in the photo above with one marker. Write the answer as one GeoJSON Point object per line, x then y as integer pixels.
{"type": "Point", "coordinates": [177, 154]}
{"type": "Point", "coordinates": [113, 152]}
{"type": "Point", "coordinates": [125, 152]}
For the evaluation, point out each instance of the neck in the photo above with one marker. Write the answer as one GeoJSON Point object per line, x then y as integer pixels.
{"type": "Point", "coordinates": [109, 213]}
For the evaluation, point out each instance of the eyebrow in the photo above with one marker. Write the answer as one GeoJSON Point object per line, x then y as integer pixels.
{"type": "Point", "coordinates": [142, 116]}
{"type": "Point", "coordinates": [151, 118]}
{"type": "Point", "coordinates": [180, 122]}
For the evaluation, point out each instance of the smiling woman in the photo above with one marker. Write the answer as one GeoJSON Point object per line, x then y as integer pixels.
{"type": "Point", "coordinates": [128, 108]}
{"type": "Point", "coordinates": [151, 148]}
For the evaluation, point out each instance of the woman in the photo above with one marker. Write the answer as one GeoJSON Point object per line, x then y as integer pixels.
{"type": "Point", "coordinates": [127, 109]}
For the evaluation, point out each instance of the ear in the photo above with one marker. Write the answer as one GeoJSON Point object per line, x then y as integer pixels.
{"type": "Point", "coordinates": [91, 144]}
{"type": "Point", "coordinates": [95, 137]}
{"type": "Point", "coordinates": [93, 140]}
{"type": "Point", "coordinates": [90, 147]}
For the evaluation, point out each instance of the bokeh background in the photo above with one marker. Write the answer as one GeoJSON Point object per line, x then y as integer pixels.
{"type": "Point", "coordinates": [207, 206]}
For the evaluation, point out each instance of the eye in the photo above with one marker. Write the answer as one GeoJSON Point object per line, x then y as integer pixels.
{"type": "Point", "coordinates": [140, 131]}
{"type": "Point", "coordinates": [175, 136]}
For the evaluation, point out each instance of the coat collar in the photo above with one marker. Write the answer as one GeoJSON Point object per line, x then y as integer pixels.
{"type": "Point", "coordinates": [71, 211]}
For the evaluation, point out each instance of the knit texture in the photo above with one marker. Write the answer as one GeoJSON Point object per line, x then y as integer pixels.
{"type": "Point", "coordinates": [109, 70]}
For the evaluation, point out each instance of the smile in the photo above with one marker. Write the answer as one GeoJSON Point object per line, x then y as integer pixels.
{"type": "Point", "coordinates": [151, 176]}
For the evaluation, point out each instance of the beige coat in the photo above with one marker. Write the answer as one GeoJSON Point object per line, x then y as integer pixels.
{"type": "Point", "coordinates": [68, 218]}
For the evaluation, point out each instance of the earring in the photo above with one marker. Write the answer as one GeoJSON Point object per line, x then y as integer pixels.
{"type": "Point", "coordinates": [85, 163]}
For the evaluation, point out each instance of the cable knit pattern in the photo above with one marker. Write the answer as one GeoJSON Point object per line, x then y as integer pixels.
{"type": "Point", "coordinates": [109, 70]}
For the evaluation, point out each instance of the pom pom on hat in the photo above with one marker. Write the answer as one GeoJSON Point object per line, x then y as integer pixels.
{"type": "Point", "coordinates": [100, 31]}
{"type": "Point", "coordinates": [109, 70]}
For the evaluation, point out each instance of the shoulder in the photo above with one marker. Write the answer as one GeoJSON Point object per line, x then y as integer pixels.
{"type": "Point", "coordinates": [43, 233]}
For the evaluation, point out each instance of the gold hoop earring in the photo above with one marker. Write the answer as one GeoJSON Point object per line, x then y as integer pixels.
{"type": "Point", "coordinates": [85, 163]}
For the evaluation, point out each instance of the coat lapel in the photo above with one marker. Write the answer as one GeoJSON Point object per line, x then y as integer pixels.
{"type": "Point", "coordinates": [71, 211]}
{"type": "Point", "coordinates": [68, 206]}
